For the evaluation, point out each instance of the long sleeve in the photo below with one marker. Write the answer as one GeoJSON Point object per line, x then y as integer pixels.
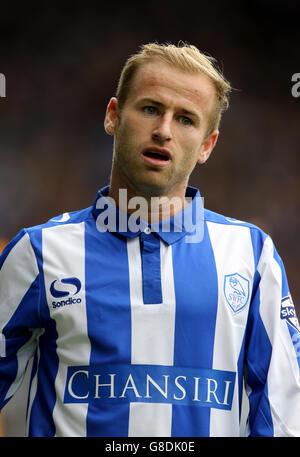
{"type": "Point", "coordinates": [19, 311]}
{"type": "Point", "coordinates": [273, 351]}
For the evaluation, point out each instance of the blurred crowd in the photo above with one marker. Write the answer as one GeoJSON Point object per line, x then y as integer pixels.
{"type": "Point", "coordinates": [62, 63]}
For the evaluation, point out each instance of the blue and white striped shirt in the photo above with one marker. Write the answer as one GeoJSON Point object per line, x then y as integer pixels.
{"type": "Point", "coordinates": [140, 333]}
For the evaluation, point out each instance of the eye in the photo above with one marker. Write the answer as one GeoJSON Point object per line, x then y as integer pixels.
{"type": "Point", "coordinates": [150, 110]}
{"type": "Point", "coordinates": [185, 120]}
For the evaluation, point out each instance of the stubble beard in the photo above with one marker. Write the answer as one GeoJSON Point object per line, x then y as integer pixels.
{"type": "Point", "coordinates": [129, 175]}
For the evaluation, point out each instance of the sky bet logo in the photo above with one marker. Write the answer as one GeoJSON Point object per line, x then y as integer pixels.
{"type": "Point", "coordinates": [59, 290]}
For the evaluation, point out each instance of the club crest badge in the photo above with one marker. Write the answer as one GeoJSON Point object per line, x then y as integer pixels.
{"type": "Point", "coordinates": [236, 291]}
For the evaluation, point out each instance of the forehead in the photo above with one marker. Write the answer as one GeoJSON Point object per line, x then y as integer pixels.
{"type": "Point", "coordinates": [175, 86]}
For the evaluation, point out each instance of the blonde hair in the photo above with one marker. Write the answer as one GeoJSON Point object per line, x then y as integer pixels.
{"type": "Point", "coordinates": [185, 57]}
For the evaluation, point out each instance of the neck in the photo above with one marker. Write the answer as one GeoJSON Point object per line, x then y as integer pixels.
{"type": "Point", "coordinates": [153, 206]}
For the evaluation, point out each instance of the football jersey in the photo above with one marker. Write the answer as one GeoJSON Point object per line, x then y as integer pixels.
{"type": "Point", "coordinates": [138, 330]}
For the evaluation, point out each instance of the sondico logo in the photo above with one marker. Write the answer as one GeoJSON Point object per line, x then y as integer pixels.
{"type": "Point", "coordinates": [58, 290]}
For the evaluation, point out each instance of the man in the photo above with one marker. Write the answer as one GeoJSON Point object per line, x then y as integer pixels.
{"type": "Point", "coordinates": [145, 313]}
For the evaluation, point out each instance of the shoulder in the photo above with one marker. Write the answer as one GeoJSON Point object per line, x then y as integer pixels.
{"type": "Point", "coordinates": [233, 229]}
{"type": "Point", "coordinates": [228, 234]}
{"type": "Point", "coordinates": [30, 238]}
{"type": "Point", "coordinates": [64, 219]}
{"type": "Point", "coordinates": [217, 218]}
{"type": "Point", "coordinates": [230, 223]}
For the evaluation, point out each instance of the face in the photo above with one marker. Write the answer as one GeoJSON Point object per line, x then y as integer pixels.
{"type": "Point", "coordinates": [160, 132]}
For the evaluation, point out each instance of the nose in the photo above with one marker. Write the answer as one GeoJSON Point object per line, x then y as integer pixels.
{"type": "Point", "coordinates": [162, 131]}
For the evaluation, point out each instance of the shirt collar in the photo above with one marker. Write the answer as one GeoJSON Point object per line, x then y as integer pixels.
{"type": "Point", "coordinates": [110, 218]}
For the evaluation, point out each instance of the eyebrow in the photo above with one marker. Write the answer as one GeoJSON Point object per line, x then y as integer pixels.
{"type": "Point", "coordinates": [161, 105]}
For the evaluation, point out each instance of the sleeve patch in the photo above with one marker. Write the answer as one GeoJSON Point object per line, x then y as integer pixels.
{"type": "Point", "coordinates": [288, 313]}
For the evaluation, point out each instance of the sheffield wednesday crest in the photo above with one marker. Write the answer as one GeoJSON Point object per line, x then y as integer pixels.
{"type": "Point", "coordinates": [236, 291]}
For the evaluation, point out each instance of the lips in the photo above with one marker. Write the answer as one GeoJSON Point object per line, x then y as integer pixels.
{"type": "Point", "coordinates": [157, 156]}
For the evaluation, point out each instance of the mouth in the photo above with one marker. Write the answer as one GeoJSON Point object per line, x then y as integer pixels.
{"type": "Point", "coordinates": [157, 156]}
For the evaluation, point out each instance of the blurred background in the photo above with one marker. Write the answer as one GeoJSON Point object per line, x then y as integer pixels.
{"type": "Point", "coordinates": [62, 61]}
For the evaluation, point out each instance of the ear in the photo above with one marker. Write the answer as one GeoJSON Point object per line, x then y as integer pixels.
{"type": "Point", "coordinates": [207, 146]}
{"type": "Point", "coordinates": [111, 116]}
